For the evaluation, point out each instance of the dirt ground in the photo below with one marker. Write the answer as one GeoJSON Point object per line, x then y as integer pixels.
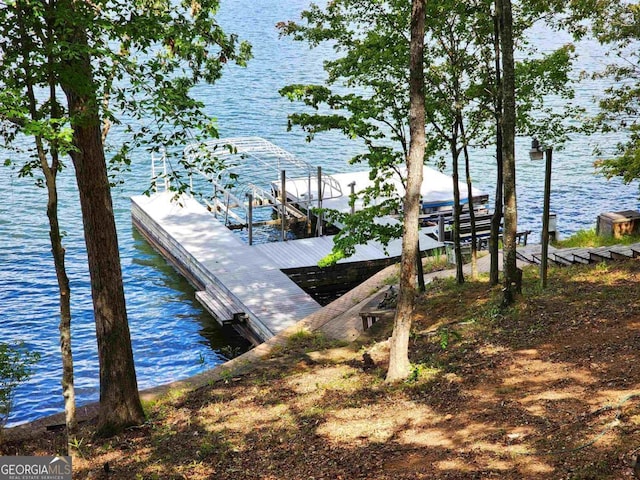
{"type": "Point", "coordinates": [549, 389]}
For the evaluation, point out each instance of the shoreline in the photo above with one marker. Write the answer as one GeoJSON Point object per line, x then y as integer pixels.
{"type": "Point", "coordinates": [339, 320]}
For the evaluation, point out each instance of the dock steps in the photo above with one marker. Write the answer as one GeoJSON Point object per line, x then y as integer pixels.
{"type": "Point", "coordinates": [222, 305]}
{"type": "Point", "coordinates": [583, 256]}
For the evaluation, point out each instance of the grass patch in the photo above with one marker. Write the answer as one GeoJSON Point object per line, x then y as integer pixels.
{"type": "Point", "coordinates": [304, 341]}
{"type": "Point", "coordinates": [590, 239]}
{"type": "Point", "coordinates": [435, 263]}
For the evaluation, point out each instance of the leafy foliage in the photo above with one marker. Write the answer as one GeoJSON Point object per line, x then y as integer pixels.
{"type": "Point", "coordinates": [15, 367]}
{"type": "Point", "coordinates": [366, 96]}
{"type": "Point", "coordinates": [146, 58]}
{"type": "Point", "coordinates": [619, 28]}
{"type": "Point", "coordinates": [368, 100]}
{"type": "Point", "coordinates": [69, 71]}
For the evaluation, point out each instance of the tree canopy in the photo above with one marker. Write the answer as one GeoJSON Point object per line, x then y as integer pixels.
{"type": "Point", "coordinates": [366, 94]}
{"type": "Point", "coordinates": [619, 28]}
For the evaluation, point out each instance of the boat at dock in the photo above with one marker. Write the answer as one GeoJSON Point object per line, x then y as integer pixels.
{"type": "Point", "coordinates": [262, 287]}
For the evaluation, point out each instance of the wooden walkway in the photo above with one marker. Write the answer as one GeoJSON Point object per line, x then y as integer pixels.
{"type": "Point", "coordinates": [307, 252]}
{"type": "Point", "coordinates": [233, 281]}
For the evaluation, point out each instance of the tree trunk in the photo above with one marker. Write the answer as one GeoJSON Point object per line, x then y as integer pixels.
{"type": "Point", "coordinates": [496, 219]}
{"type": "Point", "coordinates": [472, 212]}
{"type": "Point", "coordinates": [58, 252]}
{"type": "Point", "coordinates": [455, 155]}
{"type": "Point", "coordinates": [508, 157]}
{"type": "Point", "coordinates": [399, 366]}
{"type": "Point", "coordinates": [120, 405]}
{"type": "Point", "coordinates": [50, 172]}
{"type": "Point", "coordinates": [68, 391]}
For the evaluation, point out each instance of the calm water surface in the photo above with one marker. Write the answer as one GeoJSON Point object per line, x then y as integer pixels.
{"type": "Point", "coordinates": [172, 336]}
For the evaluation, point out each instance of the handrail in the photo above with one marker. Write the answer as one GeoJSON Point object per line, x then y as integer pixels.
{"type": "Point", "coordinates": [333, 185]}
{"type": "Point", "coordinates": [156, 156]}
{"type": "Point", "coordinates": [238, 166]}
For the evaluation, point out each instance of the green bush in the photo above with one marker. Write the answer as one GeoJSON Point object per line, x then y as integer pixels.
{"type": "Point", "coordinates": [16, 364]}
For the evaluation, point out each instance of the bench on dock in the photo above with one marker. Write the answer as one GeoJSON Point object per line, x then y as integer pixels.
{"type": "Point", "coordinates": [482, 223]}
{"type": "Point", "coordinates": [483, 227]}
{"type": "Point", "coordinates": [521, 239]}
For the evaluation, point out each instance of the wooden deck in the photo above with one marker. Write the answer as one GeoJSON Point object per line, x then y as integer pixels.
{"type": "Point", "coordinates": [307, 252]}
{"type": "Point", "coordinates": [237, 282]}
{"type": "Point", "coordinates": [232, 278]}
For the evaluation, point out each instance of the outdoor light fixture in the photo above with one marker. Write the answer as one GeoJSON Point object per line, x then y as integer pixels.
{"type": "Point", "coordinates": [536, 153]}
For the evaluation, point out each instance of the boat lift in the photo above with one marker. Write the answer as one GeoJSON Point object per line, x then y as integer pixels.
{"type": "Point", "coordinates": [241, 171]}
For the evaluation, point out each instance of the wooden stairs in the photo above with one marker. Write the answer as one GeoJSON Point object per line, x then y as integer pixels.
{"type": "Point", "coordinates": [573, 256]}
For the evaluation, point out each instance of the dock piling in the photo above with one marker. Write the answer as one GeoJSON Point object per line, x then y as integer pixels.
{"type": "Point", "coordinates": [283, 201]}
{"type": "Point", "coordinates": [319, 225]}
{"type": "Point", "coordinates": [250, 218]}
{"type": "Point", "coordinates": [352, 198]}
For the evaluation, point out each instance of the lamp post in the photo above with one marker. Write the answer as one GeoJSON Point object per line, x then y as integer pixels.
{"type": "Point", "coordinates": [536, 153]}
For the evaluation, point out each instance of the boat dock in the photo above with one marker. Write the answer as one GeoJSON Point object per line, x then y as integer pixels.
{"type": "Point", "coordinates": [237, 283]}
{"type": "Point", "coordinates": [263, 288]}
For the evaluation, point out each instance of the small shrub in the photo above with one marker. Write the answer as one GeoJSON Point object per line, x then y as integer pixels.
{"type": "Point", "coordinates": [15, 367]}
{"type": "Point", "coordinates": [446, 335]}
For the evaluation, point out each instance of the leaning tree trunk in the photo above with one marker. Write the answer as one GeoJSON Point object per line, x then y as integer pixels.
{"type": "Point", "coordinates": [50, 171]}
{"type": "Point", "coordinates": [508, 156]}
{"type": "Point", "coordinates": [120, 405]}
{"type": "Point", "coordinates": [472, 211]}
{"type": "Point", "coordinates": [58, 252]}
{"type": "Point", "coordinates": [68, 390]}
{"type": "Point", "coordinates": [399, 366]}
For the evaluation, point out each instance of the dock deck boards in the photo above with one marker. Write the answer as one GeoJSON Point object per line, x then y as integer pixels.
{"type": "Point", "coordinates": [234, 277]}
{"type": "Point", "coordinates": [308, 251]}
{"type": "Point", "coordinates": [213, 254]}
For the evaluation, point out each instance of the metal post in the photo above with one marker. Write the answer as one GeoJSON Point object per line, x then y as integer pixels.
{"type": "Point", "coordinates": [319, 224]}
{"type": "Point", "coordinates": [226, 208]}
{"type": "Point", "coordinates": [215, 201]}
{"type": "Point", "coordinates": [545, 218]}
{"type": "Point", "coordinates": [164, 170]}
{"type": "Point", "coordinates": [309, 202]}
{"type": "Point", "coordinates": [153, 172]}
{"type": "Point", "coordinates": [441, 228]}
{"type": "Point", "coordinates": [250, 218]}
{"type": "Point", "coordinates": [283, 201]}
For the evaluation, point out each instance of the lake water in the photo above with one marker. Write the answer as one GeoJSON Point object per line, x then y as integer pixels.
{"type": "Point", "coordinates": [172, 336]}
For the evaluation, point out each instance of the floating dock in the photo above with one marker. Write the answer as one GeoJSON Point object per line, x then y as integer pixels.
{"type": "Point", "coordinates": [234, 284]}
{"type": "Point", "coordinates": [239, 284]}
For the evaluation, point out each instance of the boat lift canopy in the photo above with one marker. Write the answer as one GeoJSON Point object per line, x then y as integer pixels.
{"type": "Point", "coordinates": [249, 165]}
